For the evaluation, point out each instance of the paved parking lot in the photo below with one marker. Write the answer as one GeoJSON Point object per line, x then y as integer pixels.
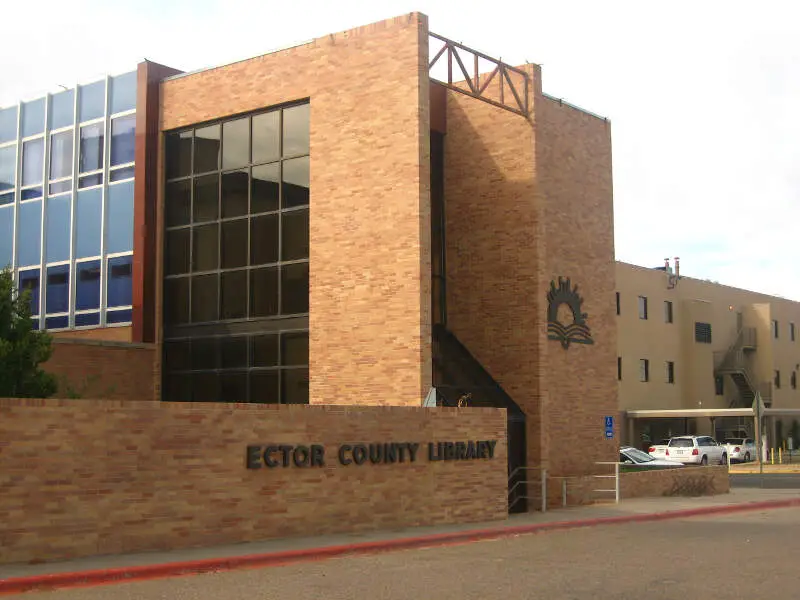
{"type": "Point", "coordinates": [751, 554]}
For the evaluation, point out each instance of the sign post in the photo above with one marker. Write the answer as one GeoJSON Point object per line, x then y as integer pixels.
{"type": "Point", "coordinates": [758, 408]}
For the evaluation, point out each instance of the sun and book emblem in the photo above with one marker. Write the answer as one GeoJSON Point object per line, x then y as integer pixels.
{"type": "Point", "coordinates": [576, 332]}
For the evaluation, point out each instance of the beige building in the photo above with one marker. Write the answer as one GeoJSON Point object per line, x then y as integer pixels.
{"type": "Point", "coordinates": [689, 344]}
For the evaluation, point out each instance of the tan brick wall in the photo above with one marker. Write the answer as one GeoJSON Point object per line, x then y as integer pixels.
{"type": "Point", "coordinates": [494, 249]}
{"type": "Point", "coordinates": [81, 478]}
{"type": "Point", "coordinates": [370, 199]}
{"type": "Point", "coordinates": [573, 170]}
{"type": "Point", "coordinates": [101, 369]}
{"type": "Point", "coordinates": [108, 334]}
{"type": "Point", "coordinates": [688, 481]}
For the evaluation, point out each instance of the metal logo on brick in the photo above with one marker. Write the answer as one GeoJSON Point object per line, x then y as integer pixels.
{"type": "Point", "coordinates": [578, 331]}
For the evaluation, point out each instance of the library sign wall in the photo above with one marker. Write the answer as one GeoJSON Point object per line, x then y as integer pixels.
{"type": "Point", "coordinates": [275, 456]}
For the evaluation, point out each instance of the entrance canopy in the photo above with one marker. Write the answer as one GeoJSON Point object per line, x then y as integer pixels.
{"type": "Point", "coordinates": [688, 413]}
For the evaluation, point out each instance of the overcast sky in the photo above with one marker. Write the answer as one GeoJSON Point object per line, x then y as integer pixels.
{"type": "Point", "coordinates": [704, 97]}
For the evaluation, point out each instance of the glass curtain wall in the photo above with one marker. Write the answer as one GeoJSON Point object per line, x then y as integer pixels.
{"type": "Point", "coordinates": [236, 259]}
{"type": "Point", "coordinates": [66, 202]}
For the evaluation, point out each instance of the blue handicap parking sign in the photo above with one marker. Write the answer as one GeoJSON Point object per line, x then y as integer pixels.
{"type": "Point", "coordinates": [609, 427]}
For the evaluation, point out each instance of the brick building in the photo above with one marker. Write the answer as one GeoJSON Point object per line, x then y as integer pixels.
{"type": "Point", "coordinates": [377, 217]}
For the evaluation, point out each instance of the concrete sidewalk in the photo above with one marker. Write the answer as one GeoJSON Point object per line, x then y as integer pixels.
{"type": "Point", "coordinates": [107, 569]}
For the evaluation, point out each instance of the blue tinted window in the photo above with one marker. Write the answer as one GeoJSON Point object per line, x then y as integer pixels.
{"type": "Point", "coordinates": [119, 316]}
{"type": "Point", "coordinates": [88, 220]}
{"type": "Point", "coordinates": [88, 285]}
{"type": "Point", "coordinates": [123, 92]}
{"type": "Point", "coordinates": [57, 239]}
{"type": "Point", "coordinates": [62, 109]}
{"type": "Point", "coordinates": [87, 320]}
{"type": "Point", "coordinates": [32, 161]}
{"type": "Point", "coordinates": [29, 235]}
{"type": "Point", "coordinates": [56, 322]}
{"type": "Point", "coordinates": [119, 224]}
{"type": "Point", "coordinates": [120, 281]}
{"type": "Point", "coordinates": [8, 167]}
{"type": "Point", "coordinates": [123, 138]}
{"type": "Point", "coordinates": [29, 280]}
{"type": "Point", "coordinates": [92, 101]}
{"type": "Point", "coordinates": [8, 124]}
{"type": "Point", "coordinates": [57, 297]}
{"type": "Point", "coordinates": [32, 117]}
{"type": "Point", "coordinates": [6, 235]}
{"type": "Point", "coordinates": [91, 157]}
{"type": "Point", "coordinates": [61, 155]}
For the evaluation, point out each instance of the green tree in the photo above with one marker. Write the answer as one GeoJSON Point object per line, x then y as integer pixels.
{"type": "Point", "coordinates": [22, 348]}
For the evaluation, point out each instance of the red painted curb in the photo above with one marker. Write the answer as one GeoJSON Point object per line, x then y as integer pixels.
{"type": "Point", "coordinates": [16, 585]}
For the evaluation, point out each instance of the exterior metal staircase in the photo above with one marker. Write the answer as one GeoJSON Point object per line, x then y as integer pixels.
{"type": "Point", "coordinates": [735, 362]}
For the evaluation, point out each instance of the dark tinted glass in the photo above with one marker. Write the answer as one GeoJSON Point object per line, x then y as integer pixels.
{"type": "Point", "coordinates": [57, 298]}
{"type": "Point", "coordinates": [295, 182]}
{"type": "Point", "coordinates": [33, 117]}
{"type": "Point", "coordinates": [294, 289]}
{"type": "Point", "coordinates": [91, 156]}
{"type": "Point", "coordinates": [88, 285]}
{"type": "Point", "coordinates": [176, 300]}
{"type": "Point", "coordinates": [178, 355]}
{"type": "Point", "coordinates": [236, 143]}
{"type": "Point", "coordinates": [88, 217]}
{"type": "Point", "coordinates": [8, 167]}
{"type": "Point", "coordinates": [123, 139]}
{"type": "Point", "coordinates": [234, 295]}
{"type": "Point", "coordinates": [87, 319]}
{"type": "Point", "coordinates": [234, 193]}
{"type": "Point", "coordinates": [120, 281]}
{"type": "Point", "coordinates": [205, 387]}
{"type": "Point", "coordinates": [264, 292]}
{"type": "Point", "coordinates": [266, 137]}
{"type": "Point", "coordinates": [123, 92]}
{"type": "Point", "coordinates": [32, 161]}
{"type": "Point", "coordinates": [204, 298]}
{"type": "Point", "coordinates": [8, 124]}
{"type": "Point", "coordinates": [206, 149]}
{"type": "Point", "coordinates": [178, 388]}
{"type": "Point", "coordinates": [233, 352]}
{"type": "Point", "coordinates": [234, 244]}
{"type": "Point", "coordinates": [62, 109]}
{"type": "Point", "coordinates": [31, 193]}
{"type": "Point", "coordinates": [90, 180]}
{"type": "Point", "coordinates": [205, 353]}
{"type": "Point", "coordinates": [119, 316]}
{"type": "Point", "coordinates": [206, 198]}
{"type": "Point", "coordinates": [179, 154]}
{"type": "Point", "coordinates": [92, 101]}
{"type": "Point", "coordinates": [58, 238]}
{"type": "Point", "coordinates": [294, 386]}
{"type": "Point", "coordinates": [29, 282]}
{"type": "Point", "coordinates": [6, 235]}
{"type": "Point", "coordinates": [119, 218]}
{"type": "Point", "coordinates": [294, 235]}
{"type": "Point", "coordinates": [265, 188]}
{"type": "Point", "coordinates": [233, 387]}
{"type": "Point", "coordinates": [264, 387]}
{"type": "Point", "coordinates": [177, 251]}
{"type": "Point", "coordinates": [123, 173]}
{"type": "Point", "coordinates": [56, 322]}
{"type": "Point", "coordinates": [205, 247]}
{"type": "Point", "coordinates": [60, 187]}
{"type": "Point", "coordinates": [61, 155]}
{"type": "Point", "coordinates": [265, 350]}
{"type": "Point", "coordinates": [296, 130]}
{"type": "Point", "coordinates": [178, 202]}
{"type": "Point", "coordinates": [29, 234]}
{"type": "Point", "coordinates": [264, 239]}
{"type": "Point", "coordinates": [294, 348]}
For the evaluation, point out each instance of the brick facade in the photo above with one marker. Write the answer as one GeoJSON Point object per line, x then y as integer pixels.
{"type": "Point", "coordinates": [80, 478]}
{"type": "Point", "coordinates": [111, 370]}
{"type": "Point", "coordinates": [370, 331]}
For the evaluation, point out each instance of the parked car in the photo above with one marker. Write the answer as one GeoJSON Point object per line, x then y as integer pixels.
{"type": "Point", "coordinates": [659, 449]}
{"type": "Point", "coordinates": [696, 450]}
{"type": "Point", "coordinates": [740, 449]}
{"type": "Point", "coordinates": [633, 457]}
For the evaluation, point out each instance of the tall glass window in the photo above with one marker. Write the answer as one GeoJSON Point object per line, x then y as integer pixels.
{"type": "Point", "coordinates": [119, 218]}
{"type": "Point", "coordinates": [29, 235]}
{"type": "Point", "coordinates": [237, 201]}
{"type": "Point", "coordinates": [62, 109]}
{"type": "Point", "coordinates": [8, 173]}
{"type": "Point", "coordinates": [57, 293]}
{"type": "Point", "coordinates": [8, 124]}
{"type": "Point", "coordinates": [91, 155]}
{"type": "Point", "coordinates": [32, 168]}
{"type": "Point", "coordinates": [88, 223]}
{"type": "Point", "coordinates": [58, 233]}
{"type": "Point", "coordinates": [92, 101]}
{"type": "Point", "coordinates": [6, 235]}
{"type": "Point", "coordinates": [61, 162]}
{"type": "Point", "coordinates": [33, 117]}
{"type": "Point", "coordinates": [87, 288]}
{"type": "Point", "coordinates": [29, 283]}
{"type": "Point", "coordinates": [123, 92]}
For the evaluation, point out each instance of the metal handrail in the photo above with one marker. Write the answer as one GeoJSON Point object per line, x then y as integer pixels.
{"type": "Point", "coordinates": [615, 476]}
{"type": "Point", "coordinates": [543, 486]}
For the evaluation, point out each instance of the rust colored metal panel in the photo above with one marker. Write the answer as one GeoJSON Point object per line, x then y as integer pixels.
{"type": "Point", "coordinates": [438, 108]}
{"type": "Point", "coordinates": [145, 193]}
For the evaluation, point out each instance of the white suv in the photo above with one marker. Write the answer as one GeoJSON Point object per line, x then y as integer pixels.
{"type": "Point", "coordinates": [696, 450]}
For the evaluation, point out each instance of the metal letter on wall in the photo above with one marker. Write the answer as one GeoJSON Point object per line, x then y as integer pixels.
{"type": "Point", "coordinates": [576, 332]}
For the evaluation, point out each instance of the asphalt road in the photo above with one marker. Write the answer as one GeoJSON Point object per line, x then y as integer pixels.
{"type": "Point", "coordinates": [774, 481]}
{"type": "Point", "coordinates": [742, 555]}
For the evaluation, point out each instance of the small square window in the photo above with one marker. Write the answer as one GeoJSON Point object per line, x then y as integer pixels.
{"type": "Point", "coordinates": [644, 370]}
{"type": "Point", "coordinates": [643, 307]}
{"type": "Point", "coordinates": [702, 333]}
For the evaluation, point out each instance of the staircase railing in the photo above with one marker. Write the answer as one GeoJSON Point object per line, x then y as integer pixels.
{"type": "Point", "coordinates": [734, 360]}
